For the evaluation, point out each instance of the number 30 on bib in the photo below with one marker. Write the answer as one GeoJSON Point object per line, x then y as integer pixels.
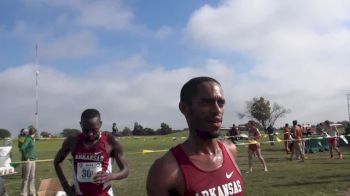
{"type": "Point", "coordinates": [86, 171]}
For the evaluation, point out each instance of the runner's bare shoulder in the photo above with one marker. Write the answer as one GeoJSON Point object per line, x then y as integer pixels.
{"type": "Point", "coordinates": [165, 176]}
{"type": "Point", "coordinates": [231, 147]}
{"type": "Point", "coordinates": [70, 142]}
{"type": "Point", "coordinates": [114, 145]}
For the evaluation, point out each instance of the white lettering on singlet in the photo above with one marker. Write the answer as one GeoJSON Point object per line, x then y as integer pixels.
{"type": "Point", "coordinates": [212, 191]}
{"type": "Point", "coordinates": [91, 157]}
{"type": "Point", "coordinates": [227, 189]}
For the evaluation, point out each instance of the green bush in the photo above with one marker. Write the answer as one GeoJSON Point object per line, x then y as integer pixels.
{"type": "Point", "coordinates": [70, 132]}
{"type": "Point", "coordinates": [5, 133]}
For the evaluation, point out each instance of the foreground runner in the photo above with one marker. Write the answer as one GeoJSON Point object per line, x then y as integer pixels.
{"type": "Point", "coordinates": [91, 151]}
{"type": "Point", "coordinates": [332, 131]}
{"type": "Point", "coordinates": [254, 149]}
{"type": "Point", "coordinates": [202, 165]}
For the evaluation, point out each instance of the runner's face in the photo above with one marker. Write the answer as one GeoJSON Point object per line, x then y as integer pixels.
{"type": "Point", "coordinates": [91, 128]}
{"type": "Point", "coordinates": [207, 109]}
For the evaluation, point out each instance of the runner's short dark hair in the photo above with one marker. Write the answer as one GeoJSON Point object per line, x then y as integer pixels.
{"type": "Point", "coordinates": [90, 113]}
{"type": "Point", "coordinates": [189, 89]}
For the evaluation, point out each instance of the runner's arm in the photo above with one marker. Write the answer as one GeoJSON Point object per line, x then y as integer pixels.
{"type": "Point", "coordinates": [257, 134]}
{"type": "Point", "coordinates": [117, 154]}
{"type": "Point", "coordinates": [58, 161]}
{"type": "Point", "coordinates": [336, 131]}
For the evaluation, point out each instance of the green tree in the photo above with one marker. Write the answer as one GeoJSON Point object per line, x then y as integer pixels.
{"type": "Point", "coordinates": [45, 134]}
{"type": "Point", "coordinates": [149, 131]}
{"type": "Point", "coordinates": [70, 132]}
{"type": "Point", "coordinates": [4, 133]}
{"type": "Point", "coordinates": [261, 111]}
{"type": "Point", "coordinates": [126, 131]}
{"type": "Point", "coordinates": [138, 129]}
{"type": "Point", "coordinates": [164, 129]}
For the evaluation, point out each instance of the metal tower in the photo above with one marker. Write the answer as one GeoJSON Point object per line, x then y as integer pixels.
{"type": "Point", "coordinates": [348, 96]}
{"type": "Point", "coordinates": [36, 89]}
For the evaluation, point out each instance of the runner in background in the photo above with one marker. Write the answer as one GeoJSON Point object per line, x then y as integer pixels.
{"type": "Point", "coordinates": [91, 151]}
{"type": "Point", "coordinates": [332, 131]}
{"type": "Point", "coordinates": [254, 149]}
{"type": "Point", "coordinates": [286, 137]}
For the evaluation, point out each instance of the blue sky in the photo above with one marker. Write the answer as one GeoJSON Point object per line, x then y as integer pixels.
{"type": "Point", "coordinates": [39, 20]}
{"type": "Point", "coordinates": [129, 59]}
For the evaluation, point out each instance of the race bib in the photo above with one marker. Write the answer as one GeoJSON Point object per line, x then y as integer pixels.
{"type": "Point", "coordinates": [86, 171]}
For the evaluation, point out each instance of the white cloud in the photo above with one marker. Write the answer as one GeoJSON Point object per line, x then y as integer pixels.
{"type": "Point", "coordinates": [75, 45]}
{"type": "Point", "coordinates": [299, 51]}
{"type": "Point", "coordinates": [148, 97]}
{"type": "Point", "coordinates": [105, 14]}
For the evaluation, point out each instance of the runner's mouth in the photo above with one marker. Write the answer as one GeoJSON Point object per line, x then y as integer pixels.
{"type": "Point", "coordinates": [216, 123]}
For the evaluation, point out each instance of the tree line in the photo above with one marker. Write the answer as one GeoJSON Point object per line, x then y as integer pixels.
{"type": "Point", "coordinates": [138, 130]}
{"type": "Point", "coordinates": [259, 109]}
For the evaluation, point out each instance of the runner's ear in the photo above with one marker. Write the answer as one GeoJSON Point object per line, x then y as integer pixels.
{"type": "Point", "coordinates": [184, 108]}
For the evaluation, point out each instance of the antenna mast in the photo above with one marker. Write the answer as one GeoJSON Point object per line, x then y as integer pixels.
{"type": "Point", "coordinates": [349, 106]}
{"type": "Point", "coordinates": [36, 88]}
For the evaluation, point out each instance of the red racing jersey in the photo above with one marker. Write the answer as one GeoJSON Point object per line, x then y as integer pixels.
{"type": "Point", "coordinates": [225, 180]}
{"type": "Point", "coordinates": [88, 161]}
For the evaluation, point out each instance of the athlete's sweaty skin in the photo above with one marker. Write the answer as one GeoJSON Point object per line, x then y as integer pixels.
{"type": "Point", "coordinates": [91, 137]}
{"type": "Point", "coordinates": [202, 103]}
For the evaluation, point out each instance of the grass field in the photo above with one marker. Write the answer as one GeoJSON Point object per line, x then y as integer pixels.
{"type": "Point", "coordinates": [316, 176]}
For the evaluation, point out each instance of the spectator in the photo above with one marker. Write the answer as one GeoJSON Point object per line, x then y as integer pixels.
{"type": "Point", "coordinates": [308, 131]}
{"type": "Point", "coordinates": [22, 136]}
{"type": "Point", "coordinates": [115, 129]}
{"type": "Point", "coordinates": [319, 128]}
{"type": "Point", "coordinates": [271, 133]}
{"type": "Point", "coordinates": [28, 168]}
{"type": "Point", "coordinates": [234, 134]}
{"type": "Point", "coordinates": [296, 135]}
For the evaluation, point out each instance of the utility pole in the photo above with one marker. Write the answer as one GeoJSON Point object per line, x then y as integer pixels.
{"type": "Point", "coordinates": [36, 88]}
{"type": "Point", "coordinates": [348, 96]}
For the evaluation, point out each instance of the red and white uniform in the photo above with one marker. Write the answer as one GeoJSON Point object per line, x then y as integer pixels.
{"type": "Point", "coordinates": [333, 135]}
{"type": "Point", "coordinates": [254, 134]}
{"type": "Point", "coordinates": [225, 180]}
{"type": "Point", "coordinates": [88, 161]}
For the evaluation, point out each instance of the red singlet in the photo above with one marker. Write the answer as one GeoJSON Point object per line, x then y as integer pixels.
{"type": "Point", "coordinates": [85, 161]}
{"type": "Point", "coordinates": [225, 180]}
